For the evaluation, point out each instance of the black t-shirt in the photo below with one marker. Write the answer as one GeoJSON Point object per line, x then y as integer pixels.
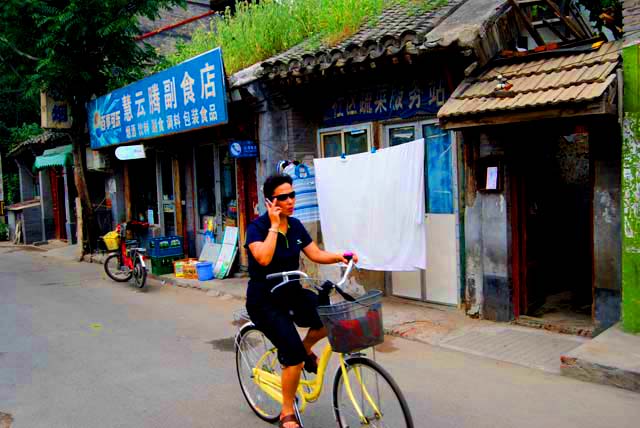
{"type": "Point", "coordinates": [285, 258]}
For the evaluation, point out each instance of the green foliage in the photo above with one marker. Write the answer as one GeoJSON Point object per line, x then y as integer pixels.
{"type": "Point", "coordinates": [259, 30]}
{"type": "Point", "coordinates": [612, 8]}
{"type": "Point", "coordinates": [23, 132]}
{"type": "Point", "coordinates": [74, 49]}
{"type": "Point", "coordinates": [4, 232]}
{"type": "Point", "coordinates": [9, 138]}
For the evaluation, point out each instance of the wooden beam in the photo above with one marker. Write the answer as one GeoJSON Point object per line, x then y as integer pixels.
{"type": "Point", "coordinates": [509, 116]}
{"type": "Point", "coordinates": [575, 29]}
{"type": "Point", "coordinates": [177, 196]}
{"type": "Point", "coordinates": [534, 33]}
{"type": "Point", "coordinates": [554, 30]}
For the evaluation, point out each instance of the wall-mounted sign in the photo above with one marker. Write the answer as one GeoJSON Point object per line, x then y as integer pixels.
{"type": "Point", "coordinates": [54, 113]}
{"type": "Point", "coordinates": [387, 101]}
{"type": "Point", "coordinates": [191, 95]}
{"type": "Point", "coordinates": [243, 149]}
{"type": "Point", "coordinates": [130, 152]}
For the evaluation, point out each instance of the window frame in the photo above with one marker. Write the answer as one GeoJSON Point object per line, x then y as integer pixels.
{"type": "Point", "coordinates": [342, 130]}
{"type": "Point", "coordinates": [418, 126]}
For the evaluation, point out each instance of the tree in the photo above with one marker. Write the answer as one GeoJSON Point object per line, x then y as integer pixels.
{"type": "Point", "coordinates": [605, 13]}
{"type": "Point", "coordinates": [74, 50]}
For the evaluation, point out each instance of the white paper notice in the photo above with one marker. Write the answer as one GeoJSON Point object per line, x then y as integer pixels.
{"type": "Point", "coordinates": [492, 178]}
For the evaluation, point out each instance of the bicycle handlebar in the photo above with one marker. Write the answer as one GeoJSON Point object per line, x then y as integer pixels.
{"type": "Point", "coordinates": [285, 276]}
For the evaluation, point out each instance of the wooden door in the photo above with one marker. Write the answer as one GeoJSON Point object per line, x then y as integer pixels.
{"type": "Point", "coordinates": [57, 199]}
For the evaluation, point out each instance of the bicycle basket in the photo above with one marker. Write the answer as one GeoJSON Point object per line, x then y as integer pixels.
{"type": "Point", "coordinates": [354, 326]}
{"type": "Point", "coordinates": [111, 240]}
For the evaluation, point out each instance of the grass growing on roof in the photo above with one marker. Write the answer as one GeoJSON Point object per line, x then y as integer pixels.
{"type": "Point", "coordinates": [257, 31]}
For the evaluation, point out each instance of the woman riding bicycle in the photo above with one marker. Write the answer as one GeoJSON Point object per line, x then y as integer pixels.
{"type": "Point", "coordinates": [275, 240]}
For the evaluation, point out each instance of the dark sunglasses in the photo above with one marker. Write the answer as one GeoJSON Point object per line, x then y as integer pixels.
{"type": "Point", "coordinates": [283, 197]}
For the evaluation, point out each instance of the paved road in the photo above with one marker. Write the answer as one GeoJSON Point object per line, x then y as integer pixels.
{"type": "Point", "coordinates": [77, 350]}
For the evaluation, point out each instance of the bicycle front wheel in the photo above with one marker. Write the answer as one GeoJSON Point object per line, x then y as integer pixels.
{"type": "Point", "coordinates": [375, 393]}
{"type": "Point", "coordinates": [115, 270]}
{"type": "Point", "coordinates": [139, 273]}
{"type": "Point", "coordinates": [251, 346]}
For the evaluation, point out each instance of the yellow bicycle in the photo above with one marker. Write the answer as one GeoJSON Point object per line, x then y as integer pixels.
{"type": "Point", "coordinates": [364, 393]}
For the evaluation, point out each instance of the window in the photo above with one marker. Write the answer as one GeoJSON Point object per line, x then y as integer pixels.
{"type": "Point", "coordinates": [348, 140]}
{"type": "Point", "coordinates": [438, 161]}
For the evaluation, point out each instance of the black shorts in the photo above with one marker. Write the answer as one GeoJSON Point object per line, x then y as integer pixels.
{"type": "Point", "coordinates": [277, 319]}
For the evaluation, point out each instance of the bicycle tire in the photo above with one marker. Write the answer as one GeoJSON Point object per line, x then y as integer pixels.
{"type": "Point", "coordinates": [344, 411]}
{"type": "Point", "coordinates": [139, 273]}
{"type": "Point", "coordinates": [262, 404]}
{"type": "Point", "coordinates": [113, 276]}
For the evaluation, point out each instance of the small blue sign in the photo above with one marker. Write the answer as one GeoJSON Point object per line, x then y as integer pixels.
{"type": "Point", "coordinates": [243, 149]}
{"type": "Point", "coordinates": [191, 95]}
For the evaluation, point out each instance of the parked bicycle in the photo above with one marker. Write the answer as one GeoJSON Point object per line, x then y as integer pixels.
{"type": "Point", "coordinates": [128, 261]}
{"type": "Point", "coordinates": [364, 393]}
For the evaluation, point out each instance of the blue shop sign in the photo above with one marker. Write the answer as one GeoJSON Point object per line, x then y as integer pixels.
{"type": "Point", "coordinates": [386, 102]}
{"type": "Point", "coordinates": [243, 149]}
{"type": "Point", "coordinates": [189, 96]}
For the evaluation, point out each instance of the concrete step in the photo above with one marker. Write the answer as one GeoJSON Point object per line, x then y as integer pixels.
{"type": "Point", "coordinates": [612, 358]}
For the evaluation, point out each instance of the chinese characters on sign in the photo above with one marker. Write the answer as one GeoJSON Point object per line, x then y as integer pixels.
{"type": "Point", "coordinates": [387, 101]}
{"type": "Point", "coordinates": [189, 96]}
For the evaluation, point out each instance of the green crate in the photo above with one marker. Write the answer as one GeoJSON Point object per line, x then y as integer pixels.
{"type": "Point", "coordinates": [163, 265]}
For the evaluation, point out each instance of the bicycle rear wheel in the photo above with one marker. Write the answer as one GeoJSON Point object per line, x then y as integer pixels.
{"type": "Point", "coordinates": [114, 269]}
{"type": "Point", "coordinates": [251, 346]}
{"type": "Point", "coordinates": [375, 392]}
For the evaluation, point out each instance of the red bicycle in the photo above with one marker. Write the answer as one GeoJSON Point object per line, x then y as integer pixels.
{"type": "Point", "coordinates": [128, 262]}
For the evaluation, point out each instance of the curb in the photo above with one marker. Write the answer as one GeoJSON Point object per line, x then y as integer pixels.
{"type": "Point", "coordinates": [194, 285]}
{"type": "Point", "coordinates": [587, 371]}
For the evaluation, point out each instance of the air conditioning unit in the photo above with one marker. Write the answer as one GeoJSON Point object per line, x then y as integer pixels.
{"type": "Point", "coordinates": [97, 161]}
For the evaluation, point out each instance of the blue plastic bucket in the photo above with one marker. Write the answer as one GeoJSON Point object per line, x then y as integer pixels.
{"type": "Point", "coordinates": [205, 271]}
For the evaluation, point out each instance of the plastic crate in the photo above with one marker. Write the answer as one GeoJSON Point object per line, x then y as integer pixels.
{"type": "Point", "coordinates": [163, 265]}
{"type": "Point", "coordinates": [185, 268]}
{"type": "Point", "coordinates": [164, 246]}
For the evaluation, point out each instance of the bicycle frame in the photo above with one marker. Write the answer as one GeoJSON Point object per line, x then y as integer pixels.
{"type": "Point", "coordinates": [126, 260]}
{"type": "Point", "coordinates": [271, 383]}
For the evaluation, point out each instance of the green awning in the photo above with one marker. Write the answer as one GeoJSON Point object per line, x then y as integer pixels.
{"type": "Point", "coordinates": [60, 156]}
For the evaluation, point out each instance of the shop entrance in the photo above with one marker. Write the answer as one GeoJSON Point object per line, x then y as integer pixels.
{"type": "Point", "coordinates": [551, 210]}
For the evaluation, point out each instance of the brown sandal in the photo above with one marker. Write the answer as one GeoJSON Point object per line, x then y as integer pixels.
{"type": "Point", "coordinates": [287, 419]}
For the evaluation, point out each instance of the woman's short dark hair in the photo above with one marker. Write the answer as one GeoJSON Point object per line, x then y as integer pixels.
{"type": "Point", "coordinates": [274, 181]}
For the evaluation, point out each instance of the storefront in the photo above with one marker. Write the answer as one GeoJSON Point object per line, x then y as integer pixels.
{"type": "Point", "coordinates": [542, 170]}
{"type": "Point", "coordinates": [382, 87]}
{"type": "Point", "coordinates": [167, 138]}
{"type": "Point", "coordinates": [388, 112]}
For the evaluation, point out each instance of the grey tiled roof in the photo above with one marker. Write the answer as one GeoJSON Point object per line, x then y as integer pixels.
{"type": "Point", "coordinates": [48, 138]}
{"type": "Point", "coordinates": [631, 18]}
{"type": "Point", "coordinates": [399, 27]}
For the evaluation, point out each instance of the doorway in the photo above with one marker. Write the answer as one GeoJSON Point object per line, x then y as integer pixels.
{"type": "Point", "coordinates": [58, 202]}
{"type": "Point", "coordinates": [439, 283]}
{"type": "Point", "coordinates": [551, 215]}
